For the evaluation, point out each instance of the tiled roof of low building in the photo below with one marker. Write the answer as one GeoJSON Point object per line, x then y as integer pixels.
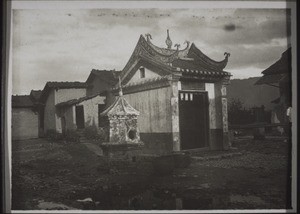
{"type": "Point", "coordinates": [60, 85]}
{"type": "Point", "coordinates": [109, 76]}
{"type": "Point", "coordinates": [35, 95]}
{"type": "Point", "coordinates": [21, 101]}
{"type": "Point", "coordinates": [75, 84]}
{"type": "Point", "coordinates": [75, 101]}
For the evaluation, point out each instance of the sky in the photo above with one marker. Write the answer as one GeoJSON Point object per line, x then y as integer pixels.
{"type": "Point", "coordinates": [65, 45]}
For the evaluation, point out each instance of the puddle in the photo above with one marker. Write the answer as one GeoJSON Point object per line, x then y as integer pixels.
{"type": "Point", "coordinates": [249, 199]}
{"type": "Point", "coordinates": [191, 199]}
{"type": "Point", "coordinates": [198, 197]}
{"type": "Point", "coordinates": [53, 206]}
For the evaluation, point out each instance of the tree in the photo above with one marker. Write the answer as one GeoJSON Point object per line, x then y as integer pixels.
{"type": "Point", "coordinates": [238, 114]}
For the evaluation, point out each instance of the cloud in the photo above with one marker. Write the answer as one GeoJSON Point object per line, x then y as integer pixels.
{"type": "Point", "coordinates": [230, 27]}
{"type": "Point", "coordinates": [66, 44]}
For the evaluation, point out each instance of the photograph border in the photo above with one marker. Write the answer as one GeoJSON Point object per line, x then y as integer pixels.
{"type": "Point", "coordinates": [7, 82]}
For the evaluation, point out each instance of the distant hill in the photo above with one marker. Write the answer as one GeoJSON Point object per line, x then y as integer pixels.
{"type": "Point", "coordinates": [252, 95]}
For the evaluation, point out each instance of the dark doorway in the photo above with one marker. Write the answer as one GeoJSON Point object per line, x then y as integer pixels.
{"type": "Point", "coordinates": [79, 117]}
{"type": "Point", "coordinates": [193, 119]}
{"type": "Point", "coordinates": [101, 108]}
{"type": "Point", "coordinates": [63, 126]}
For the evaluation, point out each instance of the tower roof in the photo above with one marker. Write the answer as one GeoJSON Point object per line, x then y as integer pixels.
{"type": "Point", "coordinates": [120, 107]}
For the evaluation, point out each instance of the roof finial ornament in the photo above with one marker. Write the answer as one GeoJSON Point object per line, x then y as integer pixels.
{"type": "Point", "coordinates": [226, 54]}
{"type": "Point", "coordinates": [177, 46]}
{"type": "Point", "coordinates": [120, 87]}
{"type": "Point", "coordinates": [187, 43]}
{"type": "Point", "coordinates": [168, 40]}
{"type": "Point", "coordinates": [148, 37]}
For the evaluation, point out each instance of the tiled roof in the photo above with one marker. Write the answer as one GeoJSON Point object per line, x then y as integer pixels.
{"type": "Point", "coordinates": [269, 79]}
{"type": "Point", "coordinates": [66, 84]}
{"type": "Point", "coordinates": [173, 59]}
{"type": "Point", "coordinates": [21, 101]}
{"type": "Point", "coordinates": [189, 66]}
{"type": "Point", "coordinates": [60, 85]}
{"type": "Point", "coordinates": [35, 95]}
{"type": "Point", "coordinates": [75, 101]}
{"type": "Point", "coordinates": [109, 76]}
{"type": "Point", "coordinates": [144, 82]}
{"type": "Point", "coordinates": [283, 65]}
{"type": "Point", "coordinates": [279, 71]}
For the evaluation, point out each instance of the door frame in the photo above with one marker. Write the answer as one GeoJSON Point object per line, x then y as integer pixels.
{"type": "Point", "coordinates": [207, 122]}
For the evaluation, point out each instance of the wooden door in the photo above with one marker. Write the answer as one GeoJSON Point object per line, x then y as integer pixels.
{"type": "Point", "coordinates": [193, 119]}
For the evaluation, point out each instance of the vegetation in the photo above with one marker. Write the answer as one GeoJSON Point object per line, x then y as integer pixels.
{"type": "Point", "coordinates": [95, 133]}
{"type": "Point", "coordinates": [70, 135]}
{"type": "Point", "coordinates": [53, 135]}
{"type": "Point", "coordinates": [239, 115]}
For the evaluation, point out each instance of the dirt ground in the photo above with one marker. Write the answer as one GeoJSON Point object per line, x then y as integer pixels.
{"type": "Point", "coordinates": [59, 175]}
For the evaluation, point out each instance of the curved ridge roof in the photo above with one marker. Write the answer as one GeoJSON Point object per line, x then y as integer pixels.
{"type": "Point", "coordinates": [197, 54]}
{"type": "Point", "coordinates": [145, 49]}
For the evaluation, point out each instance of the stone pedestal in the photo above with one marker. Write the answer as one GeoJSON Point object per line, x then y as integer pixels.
{"type": "Point", "coordinates": [120, 121]}
{"type": "Point", "coordinates": [124, 150]}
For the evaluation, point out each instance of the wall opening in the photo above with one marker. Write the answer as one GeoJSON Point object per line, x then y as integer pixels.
{"type": "Point", "coordinates": [101, 108]}
{"type": "Point", "coordinates": [132, 134]}
{"type": "Point", "coordinates": [142, 72]}
{"type": "Point", "coordinates": [79, 117]}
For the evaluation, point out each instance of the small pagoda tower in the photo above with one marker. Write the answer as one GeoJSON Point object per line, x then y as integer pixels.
{"type": "Point", "coordinates": [120, 121]}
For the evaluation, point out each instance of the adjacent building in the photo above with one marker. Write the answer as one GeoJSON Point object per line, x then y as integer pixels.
{"type": "Point", "coordinates": [279, 75]}
{"type": "Point", "coordinates": [100, 81]}
{"type": "Point", "coordinates": [54, 93]}
{"type": "Point", "coordinates": [80, 113]}
{"type": "Point", "coordinates": [25, 117]}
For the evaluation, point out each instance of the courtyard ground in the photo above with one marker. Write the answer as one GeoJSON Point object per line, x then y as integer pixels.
{"type": "Point", "coordinates": [61, 175]}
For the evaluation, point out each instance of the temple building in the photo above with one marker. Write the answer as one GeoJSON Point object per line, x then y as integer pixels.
{"type": "Point", "coordinates": [180, 94]}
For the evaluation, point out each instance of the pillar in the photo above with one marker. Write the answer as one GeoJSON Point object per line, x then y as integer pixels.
{"type": "Point", "coordinates": [221, 135]}
{"type": "Point", "coordinates": [174, 83]}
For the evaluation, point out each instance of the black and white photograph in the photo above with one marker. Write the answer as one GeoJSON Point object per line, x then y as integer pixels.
{"type": "Point", "coordinates": [160, 106]}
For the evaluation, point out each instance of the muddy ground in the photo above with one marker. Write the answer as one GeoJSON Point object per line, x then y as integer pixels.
{"type": "Point", "coordinates": [60, 175]}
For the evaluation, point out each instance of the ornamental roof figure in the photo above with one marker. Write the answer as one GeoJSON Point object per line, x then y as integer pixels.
{"type": "Point", "coordinates": [168, 40]}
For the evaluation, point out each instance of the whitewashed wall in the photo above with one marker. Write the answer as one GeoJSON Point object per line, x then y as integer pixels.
{"type": "Point", "coordinates": [24, 124]}
{"type": "Point", "coordinates": [155, 109]}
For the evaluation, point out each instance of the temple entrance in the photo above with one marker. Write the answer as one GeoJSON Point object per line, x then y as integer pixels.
{"type": "Point", "coordinates": [193, 119]}
{"type": "Point", "coordinates": [79, 117]}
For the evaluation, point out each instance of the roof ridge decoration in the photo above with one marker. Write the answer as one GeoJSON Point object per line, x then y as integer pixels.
{"type": "Point", "coordinates": [168, 40]}
{"type": "Point", "coordinates": [168, 51]}
{"type": "Point", "coordinates": [207, 60]}
{"type": "Point", "coordinates": [146, 49]}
